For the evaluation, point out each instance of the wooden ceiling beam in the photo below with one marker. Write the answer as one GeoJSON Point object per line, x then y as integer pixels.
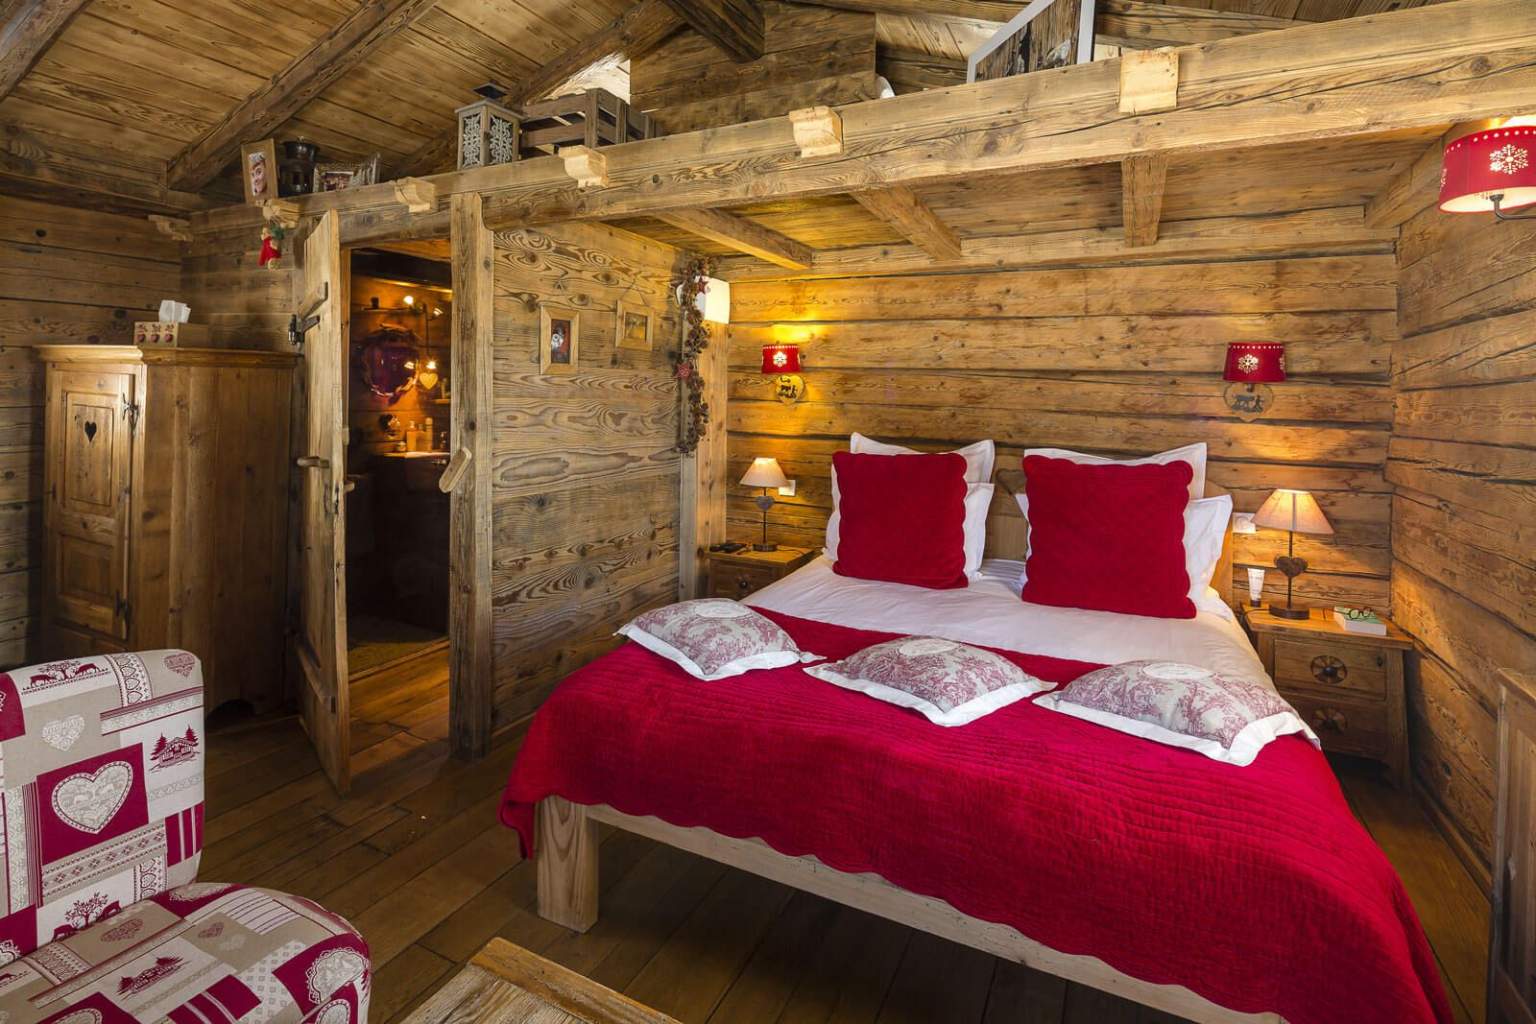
{"type": "Point", "coordinates": [29, 29]}
{"type": "Point", "coordinates": [744, 236]}
{"type": "Point", "coordinates": [637, 31]}
{"type": "Point", "coordinates": [1142, 180]}
{"type": "Point", "coordinates": [311, 73]}
{"type": "Point", "coordinates": [903, 210]}
{"type": "Point", "coordinates": [1361, 76]}
{"type": "Point", "coordinates": [1141, 24]}
{"type": "Point", "coordinates": [1416, 186]}
{"type": "Point", "coordinates": [1310, 232]}
{"type": "Point", "coordinates": [735, 26]}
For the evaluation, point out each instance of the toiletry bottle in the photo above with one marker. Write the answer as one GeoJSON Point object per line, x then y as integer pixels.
{"type": "Point", "coordinates": [428, 439]}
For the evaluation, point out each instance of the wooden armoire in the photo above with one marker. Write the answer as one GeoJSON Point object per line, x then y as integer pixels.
{"type": "Point", "coordinates": [165, 509]}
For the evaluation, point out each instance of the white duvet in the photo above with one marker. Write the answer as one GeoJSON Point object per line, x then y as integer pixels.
{"type": "Point", "coordinates": [989, 613]}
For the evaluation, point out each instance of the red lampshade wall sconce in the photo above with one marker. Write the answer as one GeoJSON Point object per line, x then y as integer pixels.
{"type": "Point", "coordinates": [1251, 367]}
{"type": "Point", "coordinates": [783, 363]}
{"type": "Point", "coordinates": [1490, 170]}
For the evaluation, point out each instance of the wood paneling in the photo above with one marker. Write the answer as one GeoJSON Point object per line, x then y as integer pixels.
{"type": "Point", "coordinates": [1115, 360]}
{"type": "Point", "coordinates": [66, 276]}
{"type": "Point", "coordinates": [584, 471]}
{"type": "Point", "coordinates": [1463, 460]}
{"type": "Point", "coordinates": [245, 305]}
{"type": "Point", "coordinates": [810, 56]}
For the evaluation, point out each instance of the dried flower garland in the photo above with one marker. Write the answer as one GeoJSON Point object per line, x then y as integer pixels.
{"type": "Point", "coordinates": [692, 425]}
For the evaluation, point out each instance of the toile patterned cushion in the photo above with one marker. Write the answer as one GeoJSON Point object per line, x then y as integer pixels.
{"type": "Point", "coordinates": [950, 683]}
{"type": "Point", "coordinates": [713, 638]}
{"type": "Point", "coordinates": [1181, 705]}
{"type": "Point", "coordinates": [203, 953]}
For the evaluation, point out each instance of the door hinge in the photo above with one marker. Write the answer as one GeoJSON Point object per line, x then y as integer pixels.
{"type": "Point", "coordinates": [131, 410]}
{"type": "Point", "coordinates": [124, 610]}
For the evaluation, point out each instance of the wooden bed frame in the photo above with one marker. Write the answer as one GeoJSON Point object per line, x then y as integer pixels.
{"type": "Point", "coordinates": [567, 841]}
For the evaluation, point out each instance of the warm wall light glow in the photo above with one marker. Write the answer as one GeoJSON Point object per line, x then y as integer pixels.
{"type": "Point", "coordinates": [410, 300]}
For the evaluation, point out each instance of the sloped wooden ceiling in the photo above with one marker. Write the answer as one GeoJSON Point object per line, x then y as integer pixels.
{"type": "Point", "coordinates": [102, 106]}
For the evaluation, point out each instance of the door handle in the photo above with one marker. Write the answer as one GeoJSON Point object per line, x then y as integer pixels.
{"type": "Point", "coordinates": [312, 462]}
{"type": "Point", "coordinates": [458, 465]}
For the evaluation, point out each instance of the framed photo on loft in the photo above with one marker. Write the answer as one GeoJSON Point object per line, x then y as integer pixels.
{"type": "Point", "coordinates": [559, 335]}
{"type": "Point", "coordinates": [258, 170]}
{"type": "Point", "coordinates": [634, 328]}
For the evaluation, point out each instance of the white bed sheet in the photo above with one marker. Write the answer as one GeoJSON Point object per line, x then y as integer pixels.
{"type": "Point", "coordinates": [989, 613]}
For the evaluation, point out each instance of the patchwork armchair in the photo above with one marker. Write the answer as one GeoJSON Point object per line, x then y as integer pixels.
{"type": "Point", "coordinates": [101, 763]}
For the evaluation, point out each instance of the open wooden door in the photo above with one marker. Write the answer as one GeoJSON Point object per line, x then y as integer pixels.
{"type": "Point", "coordinates": [322, 635]}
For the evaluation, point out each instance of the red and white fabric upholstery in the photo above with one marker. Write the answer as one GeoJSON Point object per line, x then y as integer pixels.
{"type": "Point", "coordinates": [101, 762]}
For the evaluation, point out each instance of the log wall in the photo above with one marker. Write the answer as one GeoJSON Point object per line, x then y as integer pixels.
{"type": "Point", "coordinates": [66, 276]}
{"type": "Point", "coordinates": [585, 476]}
{"type": "Point", "coordinates": [1463, 461]}
{"type": "Point", "coordinates": [1113, 360]}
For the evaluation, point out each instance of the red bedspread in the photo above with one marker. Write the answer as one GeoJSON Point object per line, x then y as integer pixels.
{"type": "Point", "coordinates": [1255, 886]}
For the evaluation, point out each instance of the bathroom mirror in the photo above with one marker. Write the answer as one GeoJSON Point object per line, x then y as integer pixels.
{"type": "Point", "coordinates": [387, 361]}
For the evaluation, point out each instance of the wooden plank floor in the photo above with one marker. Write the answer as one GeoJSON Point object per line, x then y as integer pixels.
{"type": "Point", "coordinates": [416, 859]}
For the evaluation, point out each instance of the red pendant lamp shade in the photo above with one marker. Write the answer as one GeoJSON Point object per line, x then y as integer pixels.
{"type": "Point", "coordinates": [781, 359]}
{"type": "Point", "coordinates": [1498, 162]}
{"type": "Point", "coordinates": [1255, 362]}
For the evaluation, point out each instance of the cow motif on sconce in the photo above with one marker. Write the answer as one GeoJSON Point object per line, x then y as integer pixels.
{"type": "Point", "coordinates": [782, 362]}
{"type": "Point", "coordinates": [1251, 367]}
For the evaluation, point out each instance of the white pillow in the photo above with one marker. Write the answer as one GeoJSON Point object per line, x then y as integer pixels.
{"type": "Point", "coordinates": [978, 495]}
{"type": "Point", "coordinates": [713, 638]}
{"type": "Point", "coordinates": [979, 457]}
{"type": "Point", "coordinates": [1225, 719]}
{"type": "Point", "coordinates": [950, 683]}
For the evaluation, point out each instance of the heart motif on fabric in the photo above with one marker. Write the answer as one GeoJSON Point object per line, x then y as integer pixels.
{"type": "Point", "coordinates": [89, 800]}
{"type": "Point", "coordinates": [181, 663]}
{"type": "Point", "coordinates": [61, 733]}
{"type": "Point", "coordinates": [1291, 565]}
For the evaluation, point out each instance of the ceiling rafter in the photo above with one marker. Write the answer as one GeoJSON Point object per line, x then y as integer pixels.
{"type": "Point", "coordinates": [900, 207]}
{"type": "Point", "coordinates": [26, 34]}
{"type": "Point", "coordinates": [637, 31]}
{"type": "Point", "coordinates": [744, 236]}
{"type": "Point", "coordinates": [310, 74]}
{"type": "Point", "coordinates": [735, 26]}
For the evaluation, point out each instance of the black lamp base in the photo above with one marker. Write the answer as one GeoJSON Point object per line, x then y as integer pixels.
{"type": "Point", "coordinates": [1289, 613]}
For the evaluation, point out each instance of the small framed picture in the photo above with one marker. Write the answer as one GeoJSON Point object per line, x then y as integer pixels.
{"type": "Point", "coordinates": [258, 169]}
{"type": "Point", "coordinates": [335, 177]}
{"type": "Point", "coordinates": [634, 328]}
{"type": "Point", "coordinates": [559, 333]}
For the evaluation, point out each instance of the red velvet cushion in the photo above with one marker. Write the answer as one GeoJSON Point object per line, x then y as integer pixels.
{"type": "Point", "coordinates": [903, 518]}
{"type": "Point", "coordinates": [1108, 537]}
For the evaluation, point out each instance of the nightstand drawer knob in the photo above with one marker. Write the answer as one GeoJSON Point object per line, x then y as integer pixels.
{"type": "Point", "coordinates": [1329, 720]}
{"type": "Point", "coordinates": [1328, 669]}
{"type": "Point", "coordinates": [743, 584]}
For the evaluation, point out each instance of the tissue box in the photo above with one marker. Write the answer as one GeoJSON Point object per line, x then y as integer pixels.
{"type": "Point", "coordinates": [162, 333]}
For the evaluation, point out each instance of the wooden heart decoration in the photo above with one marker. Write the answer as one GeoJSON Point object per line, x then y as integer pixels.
{"type": "Point", "coordinates": [90, 430]}
{"type": "Point", "coordinates": [1291, 565]}
{"type": "Point", "coordinates": [89, 800]}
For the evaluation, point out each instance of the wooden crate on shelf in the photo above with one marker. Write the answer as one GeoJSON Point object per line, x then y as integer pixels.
{"type": "Point", "coordinates": [593, 118]}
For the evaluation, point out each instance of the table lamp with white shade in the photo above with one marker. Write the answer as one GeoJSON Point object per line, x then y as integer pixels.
{"type": "Point", "coordinates": [1295, 512]}
{"type": "Point", "coordinates": [765, 473]}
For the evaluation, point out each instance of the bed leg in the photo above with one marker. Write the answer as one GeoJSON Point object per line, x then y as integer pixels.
{"type": "Point", "coordinates": [567, 864]}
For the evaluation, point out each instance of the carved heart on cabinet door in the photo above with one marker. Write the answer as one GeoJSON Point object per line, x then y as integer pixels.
{"type": "Point", "coordinates": [90, 430]}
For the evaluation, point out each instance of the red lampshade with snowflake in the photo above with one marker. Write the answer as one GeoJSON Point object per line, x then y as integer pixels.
{"type": "Point", "coordinates": [781, 359]}
{"type": "Point", "coordinates": [1499, 162]}
{"type": "Point", "coordinates": [1255, 362]}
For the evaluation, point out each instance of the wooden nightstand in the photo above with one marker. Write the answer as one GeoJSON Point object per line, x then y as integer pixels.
{"type": "Point", "coordinates": [1347, 686]}
{"type": "Point", "coordinates": [737, 575]}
